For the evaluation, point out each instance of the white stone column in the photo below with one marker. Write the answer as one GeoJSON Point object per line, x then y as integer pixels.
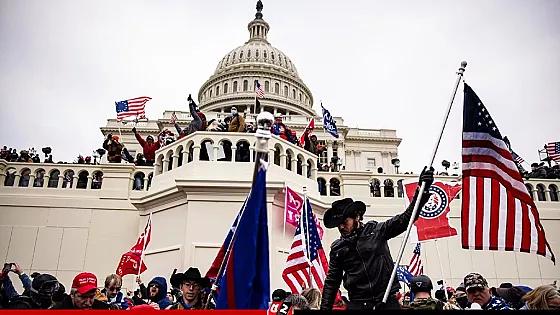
{"type": "Point", "coordinates": [252, 149]}
{"type": "Point", "coordinates": [2, 179]}
{"type": "Point", "coordinates": [283, 159]}
{"type": "Point", "coordinates": [196, 153]}
{"type": "Point", "coordinates": [275, 110]}
{"type": "Point", "coordinates": [175, 161]}
{"type": "Point", "coordinates": [46, 180]}
{"type": "Point", "coordinates": [294, 164]}
{"type": "Point", "coordinates": [146, 182]}
{"type": "Point", "coordinates": [271, 154]}
{"type": "Point", "coordinates": [287, 112]}
{"type": "Point", "coordinates": [158, 169]}
{"type": "Point", "coordinates": [17, 177]}
{"type": "Point", "coordinates": [233, 152]}
{"type": "Point", "coordinates": [60, 181]}
{"type": "Point", "coordinates": [382, 189]}
{"type": "Point", "coordinates": [75, 182]}
{"type": "Point", "coordinates": [329, 151]}
{"type": "Point", "coordinates": [304, 169]}
{"type": "Point", "coordinates": [89, 181]}
{"type": "Point", "coordinates": [314, 171]}
{"type": "Point", "coordinates": [185, 156]}
{"type": "Point", "coordinates": [165, 165]}
{"type": "Point", "coordinates": [215, 149]}
{"type": "Point", "coordinates": [31, 180]}
{"type": "Point", "coordinates": [328, 188]}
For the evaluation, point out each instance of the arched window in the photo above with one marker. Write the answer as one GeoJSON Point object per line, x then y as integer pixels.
{"type": "Point", "coordinates": [217, 90]}
{"type": "Point", "coordinates": [243, 152]}
{"type": "Point", "coordinates": [300, 98]}
{"type": "Point", "coordinates": [553, 192]}
{"type": "Point", "coordinates": [233, 59]}
{"type": "Point", "coordinates": [97, 180]}
{"type": "Point", "coordinates": [375, 188]}
{"type": "Point", "coordinates": [39, 178]}
{"type": "Point", "coordinates": [53, 179]}
{"type": "Point", "coordinates": [227, 59]}
{"type": "Point", "coordinates": [294, 94]}
{"type": "Point", "coordinates": [248, 54]}
{"type": "Point", "coordinates": [10, 178]}
{"type": "Point", "coordinates": [335, 187]}
{"type": "Point", "coordinates": [276, 88]}
{"type": "Point", "coordinates": [272, 55]}
{"type": "Point", "coordinates": [225, 88]}
{"type": "Point", "coordinates": [389, 189]}
{"type": "Point", "coordinates": [286, 91]}
{"type": "Point", "coordinates": [24, 179]}
{"type": "Point", "coordinates": [234, 86]}
{"type": "Point", "coordinates": [530, 190]}
{"type": "Point", "coordinates": [68, 179]}
{"type": "Point", "coordinates": [322, 184]}
{"type": "Point", "coordinates": [150, 180]}
{"type": "Point", "coordinates": [280, 59]}
{"type": "Point", "coordinates": [400, 189]}
{"type": "Point", "coordinates": [257, 53]}
{"type": "Point", "coordinates": [82, 180]}
{"type": "Point", "coordinates": [245, 85]}
{"type": "Point", "coordinates": [541, 196]}
{"type": "Point", "coordinates": [138, 183]}
{"type": "Point", "coordinates": [265, 55]}
{"type": "Point", "coordinates": [210, 93]}
{"type": "Point", "coordinates": [266, 86]}
{"type": "Point", "coordinates": [241, 55]}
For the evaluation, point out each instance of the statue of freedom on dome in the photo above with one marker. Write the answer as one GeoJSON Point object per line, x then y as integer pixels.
{"type": "Point", "coordinates": [259, 6]}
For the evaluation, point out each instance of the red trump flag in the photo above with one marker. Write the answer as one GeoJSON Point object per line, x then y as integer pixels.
{"type": "Point", "coordinates": [433, 221]}
{"type": "Point", "coordinates": [131, 261]}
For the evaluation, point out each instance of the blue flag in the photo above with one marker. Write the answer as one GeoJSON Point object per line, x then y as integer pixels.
{"type": "Point", "coordinates": [245, 284]}
{"type": "Point", "coordinates": [404, 275]}
{"type": "Point", "coordinates": [328, 123]}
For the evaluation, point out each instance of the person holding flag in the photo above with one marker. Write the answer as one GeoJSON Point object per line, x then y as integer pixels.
{"type": "Point", "coordinates": [361, 255]}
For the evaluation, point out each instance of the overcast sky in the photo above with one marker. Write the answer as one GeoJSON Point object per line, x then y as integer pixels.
{"type": "Point", "coordinates": [378, 64]}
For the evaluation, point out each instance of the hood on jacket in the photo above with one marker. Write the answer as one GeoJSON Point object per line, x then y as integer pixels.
{"type": "Point", "coordinates": [162, 284]}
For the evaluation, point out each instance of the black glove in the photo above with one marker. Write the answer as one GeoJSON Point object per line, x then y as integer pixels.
{"type": "Point", "coordinates": [109, 136]}
{"type": "Point", "coordinates": [426, 176]}
{"type": "Point", "coordinates": [134, 130]}
{"type": "Point", "coordinates": [189, 98]}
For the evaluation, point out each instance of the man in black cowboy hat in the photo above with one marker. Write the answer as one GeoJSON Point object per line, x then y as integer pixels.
{"type": "Point", "coordinates": [361, 256]}
{"type": "Point", "coordinates": [191, 284]}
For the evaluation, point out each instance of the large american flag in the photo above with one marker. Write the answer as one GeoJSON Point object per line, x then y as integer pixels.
{"type": "Point", "coordinates": [173, 119]}
{"type": "Point", "coordinates": [415, 267]}
{"type": "Point", "coordinates": [553, 150]}
{"type": "Point", "coordinates": [259, 90]}
{"type": "Point", "coordinates": [296, 273]}
{"type": "Point", "coordinates": [134, 107]}
{"type": "Point", "coordinates": [497, 213]}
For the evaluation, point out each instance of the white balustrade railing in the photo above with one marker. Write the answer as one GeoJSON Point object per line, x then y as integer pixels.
{"type": "Point", "coordinates": [233, 147]}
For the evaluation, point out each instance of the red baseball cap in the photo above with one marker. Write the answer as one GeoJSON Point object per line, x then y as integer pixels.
{"type": "Point", "coordinates": [84, 282]}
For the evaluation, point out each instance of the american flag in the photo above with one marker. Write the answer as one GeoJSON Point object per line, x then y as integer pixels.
{"type": "Point", "coordinates": [259, 90]}
{"type": "Point", "coordinates": [296, 273]}
{"type": "Point", "coordinates": [173, 119]}
{"type": "Point", "coordinates": [134, 107]}
{"type": "Point", "coordinates": [497, 213]}
{"type": "Point", "coordinates": [553, 150]}
{"type": "Point", "coordinates": [415, 266]}
{"type": "Point", "coordinates": [516, 158]}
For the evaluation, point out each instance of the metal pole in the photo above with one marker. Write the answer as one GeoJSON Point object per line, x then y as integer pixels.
{"type": "Point", "coordinates": [305, 217]}
{"type": "Point", "coordinates": [423, 186]}
{"type": "Point", "coordinates": [441, 267]}
{"type": "Point", "coordinates": [143, 249]}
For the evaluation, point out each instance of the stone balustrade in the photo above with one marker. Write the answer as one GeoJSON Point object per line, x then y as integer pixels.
{"type": "Point", "coordinates": [232, 147]}
{"type": "Point", "coordinates": [391, 185]}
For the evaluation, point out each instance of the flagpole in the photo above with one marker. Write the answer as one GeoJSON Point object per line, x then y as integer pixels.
{"type": "Point", "coordinates": [285, 214]}
{"type": "Point", "coordinates": [441, 267]}
{"type": "Point", "coordinates": [143, 249]}
{"type": "Point", "coordinates": [307, 251]}
{"type": "Point", "coordinates": [423, 186]}
{"type": "Point", "coordinates": [264, 122]}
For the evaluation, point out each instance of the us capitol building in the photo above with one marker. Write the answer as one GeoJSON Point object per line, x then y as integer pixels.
{"type": "Point", "coordinates": [70, 221]}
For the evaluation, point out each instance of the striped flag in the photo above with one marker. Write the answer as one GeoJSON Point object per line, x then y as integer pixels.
{"type": "Point", "coordinates": [415, 266]}
{"type": "Point", "coordinates": [516, 158]}
{"type": "Point", "coordinates": [298, 265]}
{"type": "Point", "coordinates": [134, 107]}
{"type": "Point", "coordinates": [173, 119]}
{"type": "Point", "coordinates": [259, 90]}
{"type": "Point", "coordinates": [497, 213]}
{"type": "Point", "coordinates": [553, 150]}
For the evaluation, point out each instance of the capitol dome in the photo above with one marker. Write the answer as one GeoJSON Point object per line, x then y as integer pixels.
{"type": "Point", "coordinates": [233, 82]}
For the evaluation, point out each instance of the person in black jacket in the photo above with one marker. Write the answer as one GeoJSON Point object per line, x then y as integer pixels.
{"type": "Point", "coordinates": [82, 295]}
{"type": "Point", "coordinates": [361, 256]}
{"type": "Point", "coordinates": [39, 296]}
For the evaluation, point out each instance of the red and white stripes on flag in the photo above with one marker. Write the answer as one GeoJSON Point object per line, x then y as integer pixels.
{"type": "Point", "coordinates": [173, 119]}
{"type": "Point", "coordinates": [298, 265]}
{"type": "Point", "coordinates": [497, 212]}
{"type": "Point", "coordinates": [134, 107]}
{"type": "Point", "coordinates": [415, 266]}
{"type": "Point", "coordinates": [553, 150]}
{"type": "Point", "coordinates": [259, 90]}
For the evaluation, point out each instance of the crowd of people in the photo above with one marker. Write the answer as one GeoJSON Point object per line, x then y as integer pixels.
{"type": "Point", "coordinates": [189, 291]}
{"type": "Point", "coordinates": [540, 170]}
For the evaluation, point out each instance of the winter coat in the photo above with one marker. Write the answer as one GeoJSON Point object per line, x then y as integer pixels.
{"type": "Point", "coordinates": [119, 302]}
{"type": "Point", "coordinates": [148, 150]}
{"type": "Point", "coordinates": [237, 124]}
{"type": "Point", "coordinates": [310, 145]}
{"type": "Point", "coordinates": [114, 150]}
{"type": "Point", "coordinates": [67, 304]}
{"type": "Point", "coordinates": [363, 261]}
{"type": "Point", "coordinates": [196, 124]}
{"type": "Point", "coordinates": [161, 298]}
{"type": "Point", "coordinates": [9, 289]}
